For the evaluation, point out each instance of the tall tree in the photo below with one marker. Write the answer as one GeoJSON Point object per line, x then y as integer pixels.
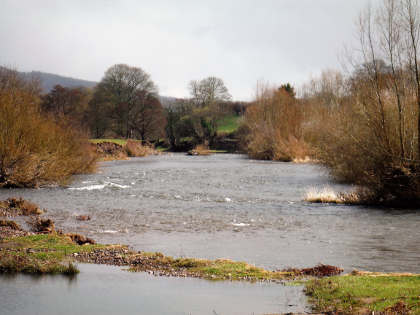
{"type": "Point", "coordinates": [122, 91]}
{"type": "Point", "coordinates": [148, 118]}
{"type": "Point", "coordinates": [71, 103]}
{"type": "Point", "coordinates": [207, 97]}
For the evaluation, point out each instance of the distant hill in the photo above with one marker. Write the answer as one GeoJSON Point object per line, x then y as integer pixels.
{"type": "Point", "coordinates": [49, 80]}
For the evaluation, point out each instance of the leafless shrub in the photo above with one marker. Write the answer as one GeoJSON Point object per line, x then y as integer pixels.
{"type": "Point", "coordinates": [274, 124]}
{"type": "Point", "coordinates": [36, 150]}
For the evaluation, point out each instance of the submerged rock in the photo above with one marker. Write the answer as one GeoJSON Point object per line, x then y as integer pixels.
{"type": "Point", "coordinates": [80, 239]}
{"type": "Point", "coordinates": [83, 217]}
{"type": "Point", "coordinates": [43, 225]}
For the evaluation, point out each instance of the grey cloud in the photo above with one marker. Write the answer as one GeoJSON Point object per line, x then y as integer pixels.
{"type": "Point", "coordinates": [177, 41]}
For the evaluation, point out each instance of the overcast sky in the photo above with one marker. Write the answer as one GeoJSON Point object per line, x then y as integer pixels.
{"type": "Point", "coordinates": [175, 41]}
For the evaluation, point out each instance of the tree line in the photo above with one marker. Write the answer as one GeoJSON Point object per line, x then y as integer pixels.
{"type": "Point", "coordinates": [126, 104]}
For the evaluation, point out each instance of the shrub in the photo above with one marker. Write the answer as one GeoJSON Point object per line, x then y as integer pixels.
{"type": "Point", "coordinates": [34, 149]}
{"type": "Point", "coordinates": [274, 126]}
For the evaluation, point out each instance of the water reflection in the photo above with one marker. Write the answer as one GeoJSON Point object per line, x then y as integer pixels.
{"type": "Point", "coordinates": [108, 290]}
{"type": "Point", "coordinates": [39, 278]}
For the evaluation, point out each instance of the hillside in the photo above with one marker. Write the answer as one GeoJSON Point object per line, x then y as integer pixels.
{"type": "Point", "coordinates": [49, 80]}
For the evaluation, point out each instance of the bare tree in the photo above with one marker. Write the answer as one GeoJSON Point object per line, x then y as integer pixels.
{"type": "Point", "coordinates": [209, 91]}
{"type": "Point", "coordinates": [372, 67]}
{"type": "Point", "coordinates": [207, 99]}
{"type": "Point", "coordinates": [390, 32]}
{"type": "Point", "coordinates": [411, 23]}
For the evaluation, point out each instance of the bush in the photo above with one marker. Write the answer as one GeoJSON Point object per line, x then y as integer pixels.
{"type": "Point", "coordinates": [358, 150]}
{"type": "Point", "coordinates": [34, 149]}
{"type": "Point", "coordinates": [273, 127]}
{"type": "Point", "coordinates": [371, 138]}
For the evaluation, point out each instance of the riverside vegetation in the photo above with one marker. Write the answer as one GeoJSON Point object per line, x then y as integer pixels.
{"type": "Point", "coordinates": [36, 150]}
{"type": "Point", "coordinates": [363, 124]}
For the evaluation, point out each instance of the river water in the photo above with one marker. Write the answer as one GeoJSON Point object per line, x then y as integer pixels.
{"type": "Point", "coordinates": [103, 290]}
{"type": "Point", "coordinates": [228, 206]}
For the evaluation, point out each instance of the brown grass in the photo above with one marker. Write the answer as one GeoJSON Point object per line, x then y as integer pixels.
{"type": "Point", "coordinates": [137, 149]}
{"type": "Point", "coordinates": [200, 149]}
{"type": "Point", "coordinates": [324, 195]}
{"type": "Point", "coordinates": [329, 195]}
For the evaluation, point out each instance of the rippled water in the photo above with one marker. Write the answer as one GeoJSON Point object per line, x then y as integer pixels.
{"type": "Point", "coordinates": [231, 207]}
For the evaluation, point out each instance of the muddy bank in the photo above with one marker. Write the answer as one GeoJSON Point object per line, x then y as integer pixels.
{"type": "Point", "coordinates": [220, 269]}
{"type": "Point", "coordinates": [108, 151]}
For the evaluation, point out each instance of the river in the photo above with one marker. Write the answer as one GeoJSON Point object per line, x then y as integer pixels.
{"type": "Point", "coordinates": [228, 206]}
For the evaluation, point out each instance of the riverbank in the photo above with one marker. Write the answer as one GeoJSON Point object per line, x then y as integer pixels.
{"type": "Point", "coordinates": [119, 149]}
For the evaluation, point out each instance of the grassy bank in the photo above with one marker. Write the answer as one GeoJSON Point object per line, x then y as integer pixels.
{"type": "Point", "coordinates": [219, 269]}
{"type": "Point", "coordinates": [40, 254]}
{"type": "Point", "coordinates": [56, 253]}
{"type": "Point", "coordinates": [389, 294]}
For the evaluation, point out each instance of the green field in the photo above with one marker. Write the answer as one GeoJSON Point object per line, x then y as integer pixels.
{"type": "Point", "coordinates": [229, 124]}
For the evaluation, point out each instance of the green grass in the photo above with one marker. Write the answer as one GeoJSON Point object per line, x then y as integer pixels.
{"type": "Point", "coordinates": [229, 124]}
{"type": "Point", "coordinates": [43, 253]}
{"type": "Point", "coordinates": [220, 269]}
{"type": "Point", "coordinates": [352, 294]}
{"type": "Point", "coordinates": [218, 151]}
{"type": "Point", "coordinates": [117, 141]}
{"type": "Point", "coordinates": [162, 149]}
